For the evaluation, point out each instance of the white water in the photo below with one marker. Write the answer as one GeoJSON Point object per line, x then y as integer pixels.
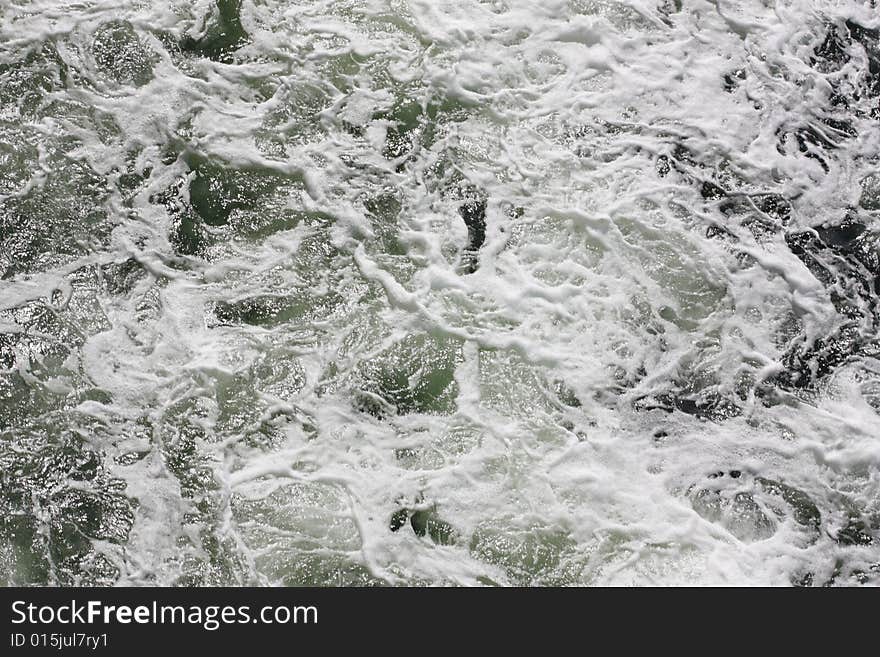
{"type": "Point", "coordinates": [596, 274]}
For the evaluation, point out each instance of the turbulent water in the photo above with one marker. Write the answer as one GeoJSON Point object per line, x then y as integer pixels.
{"type": "Point", "coordinates": [441, 292]}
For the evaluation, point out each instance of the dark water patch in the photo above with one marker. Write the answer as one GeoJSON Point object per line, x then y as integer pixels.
{"type": "Point", "coordinates": [242, 409]}
{"type": "Point", "coordinates": [811, 141]}
{"type": "Point", "coordinates": [129, 184]}
{"type": "Point", "coordinates": [844, 44]}
{"type": "Point", "coordinates": [732, 80]}
{"type": "Point", "coordinates": [415, 376]}
{"type": "Point", "coordinates": [752, 507]}
{"type": "Point", "coordinates": [120, 278]}
{"type": "Point", "coordinates": [188, 235]}
{"type": "Point", "coordinates": [775, 206]}
{"type": "Point", "coordinates": [841, 40]}
{"type": "Point", "coordinates": [428, 523]}
{"type": "Point", "coordinates": [223, 36]}
{"type": "Point", "coordinates": [384, 210]}
{"type": "Point", "coordinates": [856, 532]}
{"type": "Point", "coordinates": [131, 178]}
{"type": "Point", "coordinates": [869, 576]}
{"type": "Point", "coordinates": [844, 252]}
{"type": "Point", "coordinates": [39, 323]}
{"type": "Point", "coordinates": [704, 404]}
{"type": "Point", "coordinates": [248, 202]}
{"type": "Point", "coordinates": [231, 405]}
{"type": "Point", "coordinates": [424, 522]}
{"type": "Point", "coordinates": [711, 191]}
{"type": "Point", "coordinates": [831, 54]}
{"type": "Point", "coordinates": [803, 508]}
{"type": "Point", "coordinates": [120, 55]}
{"type": "Point", "coordinates": [398, 519]}
{"type": "Point", "coordinates": [473, 212]}
{"type": "Point", "coordinates": [663, 165]}
{"type": "Point", "coordinates": [838, 47]}
{"type": "Point", "coordinates": [270, 310]}
{"type": "Point", "coordinates": [414, 125]}
{"type": "Point", "coordinates": [566, 395]}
